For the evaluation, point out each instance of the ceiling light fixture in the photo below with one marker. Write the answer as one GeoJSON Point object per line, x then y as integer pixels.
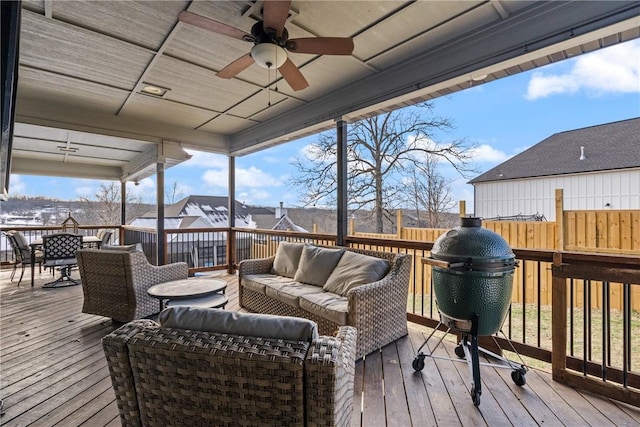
{"type": "Point", "coordinates": [154, 90]}
{"type": "Point", "coordinates": [269, 55]}
{"type": "Point", "coordinates": [479, 78]}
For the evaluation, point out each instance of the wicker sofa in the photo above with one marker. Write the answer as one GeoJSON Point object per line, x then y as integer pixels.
{"type": "Point", "coordinates": [115, 281]}
{"type": "Point", "coordinates": [165, 375]}
{"type": "Point", "coordinates": [376, 309]}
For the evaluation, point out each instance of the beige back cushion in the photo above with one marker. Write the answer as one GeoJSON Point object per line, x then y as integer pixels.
{"type": "Point", "coordinates": [354, 270]}
{"type": "Point", "coordinates": [234, 323]}
{"type": "Point", "coordinates": [316, 264]}
{"type": "Point", "coordinates": [135, 247]}
{"type": "Point", "coordinates": [287, 259]}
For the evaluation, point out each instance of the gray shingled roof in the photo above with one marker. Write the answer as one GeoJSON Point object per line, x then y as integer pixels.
{"type": "Point", "coordinates": [606, 147]}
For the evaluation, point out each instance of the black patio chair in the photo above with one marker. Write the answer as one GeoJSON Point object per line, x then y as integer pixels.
{"type": "Point", "coordinates": [22, 253]}
{"type": "Point", "coordinates": [60, 253]}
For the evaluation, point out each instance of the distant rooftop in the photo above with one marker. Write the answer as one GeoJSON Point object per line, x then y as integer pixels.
{"type": "Point", "coordinates": [604, 147]}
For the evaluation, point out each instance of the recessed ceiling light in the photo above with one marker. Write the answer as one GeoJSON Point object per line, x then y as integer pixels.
{"type": "Point", "coordinates": [154, 90]}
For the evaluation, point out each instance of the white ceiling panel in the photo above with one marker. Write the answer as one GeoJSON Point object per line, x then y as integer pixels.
{"type": "Point", "coordinates": [172, 113]}
{"type": "Point", "coordinates": [80, 53]}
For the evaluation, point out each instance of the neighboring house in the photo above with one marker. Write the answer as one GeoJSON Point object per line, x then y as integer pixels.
{"type": "Point", "coordinates": [597, 167]}
{"type": "Point", "coordinates": [208, 248]}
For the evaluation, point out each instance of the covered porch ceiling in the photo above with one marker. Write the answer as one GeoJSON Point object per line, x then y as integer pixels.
{"type": "Point", "coordinates": [84, 66]}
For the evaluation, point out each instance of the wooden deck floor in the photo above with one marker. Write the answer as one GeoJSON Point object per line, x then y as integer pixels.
{"type": "Point", "coordinates": [53, 372]}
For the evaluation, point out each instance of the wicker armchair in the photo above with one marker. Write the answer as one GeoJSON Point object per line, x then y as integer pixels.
{"type": "Point", "coordinates": [115, 282]}
{"type": "Point", "coordinates": [164, 376]}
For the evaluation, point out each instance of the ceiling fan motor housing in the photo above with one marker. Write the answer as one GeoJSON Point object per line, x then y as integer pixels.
{"type": "Point", "coordinates": [268, 35]}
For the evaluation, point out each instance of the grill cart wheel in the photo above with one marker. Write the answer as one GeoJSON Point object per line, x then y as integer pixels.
{"type": "Point", "coordinates": [459, 351]}
{"type": "Point", "coordinates": [418, 363]}
{"type": "Point", "coordinates": [475, 396]}
{"type": "Point", "coordinates": [518, 377]}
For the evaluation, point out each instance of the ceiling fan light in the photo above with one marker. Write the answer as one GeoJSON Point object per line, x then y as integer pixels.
{"type": "Point", "coordinates": [269, 55]}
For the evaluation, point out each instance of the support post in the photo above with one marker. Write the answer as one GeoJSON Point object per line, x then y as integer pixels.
{"type": "Point", "coordinates": [463, 208]}
{"type": "Point", "coordinates": [123, 210]}
{"type": "Point", "coordinates": [559, 219]}
{"type": "Point", "coordinates": [558, 319]}
{"type": "Point", "coordinates": [341, 163]}
{"type": "Point", "coordinates": [399, 223]}
{"type": "Point", "coordinates": [160, 244]}
{"type": "Point", "coordinates": [231, 238]}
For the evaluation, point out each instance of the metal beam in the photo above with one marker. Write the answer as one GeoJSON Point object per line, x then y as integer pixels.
{"type": "Point", "coordinates": [341, 228]}
{"type": "Point", "coordinates": [160, 209]}
{"type": "Point", "coordinates": [231, 214]}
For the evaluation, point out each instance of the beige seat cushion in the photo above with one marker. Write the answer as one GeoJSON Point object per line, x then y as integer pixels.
{"type": "Point", "coordinates": [258, 282]}
{"type": "Point", "coordinates": [235, 323]}
{"type": "Point", "coordinates": [327, 305]}
{"type": "Point", "coordinates": [287, 259]}
{"type": "Point", "coordinates": [290, 293]}
{"type": "Point", "coordinates": [316, 264]}
{"type": "Point", "coordinates": [354, 270]}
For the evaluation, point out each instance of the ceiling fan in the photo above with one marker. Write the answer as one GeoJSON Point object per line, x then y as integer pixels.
{"type": "Point", "coordinates": [271, 43]}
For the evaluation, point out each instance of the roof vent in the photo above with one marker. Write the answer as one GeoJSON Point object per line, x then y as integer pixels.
{"type": "Point", "coordinates": [582, 156]}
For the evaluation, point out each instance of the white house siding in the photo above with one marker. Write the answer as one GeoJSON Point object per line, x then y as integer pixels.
{"type": "Point", "coordinates": [586, 191]}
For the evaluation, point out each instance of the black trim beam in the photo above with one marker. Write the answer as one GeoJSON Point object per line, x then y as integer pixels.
{"type": "Point", "coordinates": [341, 162]}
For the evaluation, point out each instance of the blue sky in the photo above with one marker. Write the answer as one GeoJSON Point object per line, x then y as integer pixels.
{"type": "Point", "coordinates": [502, 118]}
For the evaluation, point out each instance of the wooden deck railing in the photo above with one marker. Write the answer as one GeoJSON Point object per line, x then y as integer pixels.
{"type": "Point", "coordinates": [573, 327]}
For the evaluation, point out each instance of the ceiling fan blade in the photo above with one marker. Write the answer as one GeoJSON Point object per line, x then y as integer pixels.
{"type": "Point", "coordinates": [293, 76]}
{"type": "Point", "coordinates": [321, 45]}
{"type": "Point", "coordinates": [213, 25]}
{"type": "Point", "coordinates": [240, 64]}
{"type": "Point", "coordinates": [275, 14]}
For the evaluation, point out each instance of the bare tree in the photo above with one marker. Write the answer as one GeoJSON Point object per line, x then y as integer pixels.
{"type": "Point", "coordinates": [105, 209]}
{"type": "Point", "coordinates": [428, 191]}
{"type": "Point", "coordinates": [380, 150]}
{"type": "Point", "coordinates": [173, 193]}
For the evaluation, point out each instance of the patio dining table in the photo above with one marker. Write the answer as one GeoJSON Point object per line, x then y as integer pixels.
{"type": "Point", "coordinates": [87, 241]}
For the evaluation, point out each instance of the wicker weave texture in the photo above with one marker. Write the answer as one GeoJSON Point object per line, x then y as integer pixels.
{"type": "Point", "coordinates": [115, 283]}
{"type": "Point", "coordinates": [179, 377]}
{"type": "Point", "coordinates": [377, 310]}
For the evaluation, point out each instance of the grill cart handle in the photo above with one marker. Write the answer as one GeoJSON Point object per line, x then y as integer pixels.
{"type": "Point", "coordinates": [442, 264]}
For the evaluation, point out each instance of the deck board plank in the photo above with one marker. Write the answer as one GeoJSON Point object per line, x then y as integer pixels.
{"type": "Point", "coordinates": [53, 372]}
{"type": "Point", "coordinates": [395, 397]}
{"type": "Point", "coordinates": [373, 411]}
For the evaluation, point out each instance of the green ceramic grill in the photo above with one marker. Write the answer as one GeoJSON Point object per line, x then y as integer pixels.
{"type": "Point", "coordinates": [473, 275]}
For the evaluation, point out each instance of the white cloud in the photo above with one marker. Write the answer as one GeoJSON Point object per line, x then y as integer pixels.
{"type": "Point", "coordinates": [16, 185]}
{"type": "Point", "coordinates": [252, 177]}
{"type": "Point", "coordinates": [145, 190]}
{"type": "Point", "coordinates": [615, 69]}
{"type": "Point", "coordinates": [85, 191]}
{"type": "Point", "coordinates": [203, 159]}
{"type": "Point", "coordinates": [486, 153]}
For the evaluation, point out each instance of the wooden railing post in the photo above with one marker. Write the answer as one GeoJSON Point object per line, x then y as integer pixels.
{"type": "Point", "coordinates": [399, 223]}
{"type": "Point", "coordinates": [463, 208]}
{"type": "Point", "coordinates": [558, 319]}
{"type": "Point", "coordinates": [231, 250]}
{"type": "Point", "coordinates": [559, 219]}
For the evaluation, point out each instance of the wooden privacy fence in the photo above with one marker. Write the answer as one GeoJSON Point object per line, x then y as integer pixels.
{"type": "Point", "coordinates": [610, 231]}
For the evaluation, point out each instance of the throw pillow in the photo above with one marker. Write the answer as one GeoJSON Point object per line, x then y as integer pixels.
{"type": "Point", "coordinates": [316, 264]}
{"type": "Point", "coordinates": [354, 270]}
{"type": "Point", "coordinates": [234, 323]}
{"type": "Point", "coordinates": [287, 259]}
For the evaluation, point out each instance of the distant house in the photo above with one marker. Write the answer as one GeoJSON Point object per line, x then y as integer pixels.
{"type": "Point", "coordinates": [208, 248]}
{"type": "Point", "coordinates": [597, 167]}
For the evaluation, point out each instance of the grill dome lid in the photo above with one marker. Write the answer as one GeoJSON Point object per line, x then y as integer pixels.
{"type": "Point", "coordinates": [473, 245]}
